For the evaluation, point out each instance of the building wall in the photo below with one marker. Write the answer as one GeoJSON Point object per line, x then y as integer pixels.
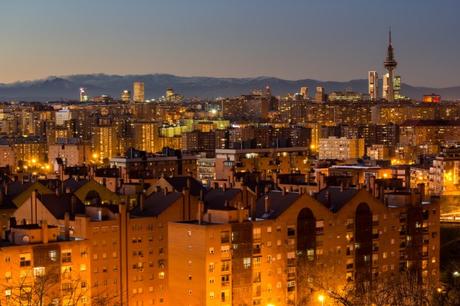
{"type": "Point", "coordinates": [45, 266]}
{"type": "Point", "coordinates": [341, 148]}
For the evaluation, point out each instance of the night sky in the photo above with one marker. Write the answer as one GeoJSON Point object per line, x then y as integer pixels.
{"type": "Point", "coordinates": [326, 40]}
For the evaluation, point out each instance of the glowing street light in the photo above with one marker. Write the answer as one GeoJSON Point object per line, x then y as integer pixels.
{"type": "Point", "coordinates": [321, 299]}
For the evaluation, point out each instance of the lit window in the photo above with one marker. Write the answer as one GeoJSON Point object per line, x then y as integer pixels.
{"type": "Point", "coordinates": [247, 262]}
{"type": "Point", "coordinates": [24, 260]}
{"type": "Point", "coordinates": [66, 256]}
{"type": "Point", "coordinates": [39, 271]}
{"type": "Point", "coordinates": [52, 254]}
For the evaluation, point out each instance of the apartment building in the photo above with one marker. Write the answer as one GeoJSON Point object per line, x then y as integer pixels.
{"type": "Point", "coordinates": [341, 148]}
{"type": "Point", "coordinates": [341, 235]}
{"type": "Point", "coordinates": [41, 267]}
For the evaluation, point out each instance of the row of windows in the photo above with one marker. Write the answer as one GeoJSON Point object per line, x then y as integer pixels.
{"type": "Point", "coordinates": [26, 261]}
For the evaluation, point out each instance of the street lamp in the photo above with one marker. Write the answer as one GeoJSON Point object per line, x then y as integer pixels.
{"type": "Point", "coordinates": [321, 299]}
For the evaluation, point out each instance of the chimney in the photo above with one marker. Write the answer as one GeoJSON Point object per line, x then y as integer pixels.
{"type": "Point", "coordinates": [322, 181]}
{"type": "Point", "coordinates": [44, 230]}
{"type": "Point", "coordinates": [13, 222]}
{"type": "Point", "coordinates": [73, 204]}
{"type": "Point", "coordinates": [327, 195]}
{"type": "Point", "coordinates": [381, 192]}
{"type": "Point", "coordinates": [421, 189]}
{"type": "Point", "coordinates": [33, 209]}
{"type": "Point", "coordinates": [200, 211]}
{"type": "Point", "coordinates": [141, 200]}
{"type": "Point", "coordinates": [252, 206]}
{"type": "Point", "coordinates": [371, 185]}
{"type": "Point", "coordinates": [240, 212]}
{"type": "Point", "coordinates": [5, 186]}
{"type": "Point", "coordinates": [66, 226]}
{"type": "Point", "coordinates": [267, 204]}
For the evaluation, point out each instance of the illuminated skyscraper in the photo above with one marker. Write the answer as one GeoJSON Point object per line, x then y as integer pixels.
{"type": "Point", "coordinates": [125, 95]}
{"type": "Point", "coordinates": [385, 86]}
{"type": "Point", "coordinates": [83, 95]}
{"type": "Point", "coordinates": [397, 87]}
{"type": "Point", "coordinates": [373, 85]}
{"type": "Point", "coordinates": [145, 136]}
{"type": "Point", "coordinates": [304, 92]}
{"type": "Point", "coordinates": [138, 92]}
{"type": "Point", "coordinates": [320, 95]}
{"type": "Point", "coordinates": [390, 64]}
{"type": "Point", "coordinates": [169, 93]}
{"type": "Point", "coordinates": [105, 139]}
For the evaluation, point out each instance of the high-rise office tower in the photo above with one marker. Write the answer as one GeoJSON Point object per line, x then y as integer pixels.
{"type": "Point", "coordinates": [373, 84]}
{"type": "Point", "coordinates": [125, 95]}
{"type": "Point", "coordinates": [83, 95]}
{"type": "Point", "coordinates": [390, 65]}
{"type": "Point", "coordinates": [319, 94]}
{"type": "Point", "coordinates": [304, 92]}
{"type": "Point", "coordinates": [397, 87]}
{"type": "Point", "coordinates": [386, 78]}
{"type": "Point", "coordinates": [138, 92]}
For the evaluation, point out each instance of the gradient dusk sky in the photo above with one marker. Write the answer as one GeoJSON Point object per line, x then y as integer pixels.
{"type": "Point", "coordinates": [293, 39]}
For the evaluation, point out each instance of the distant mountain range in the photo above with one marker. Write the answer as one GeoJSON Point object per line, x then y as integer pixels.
{"type": "Point", "coordinates": [67, 87]}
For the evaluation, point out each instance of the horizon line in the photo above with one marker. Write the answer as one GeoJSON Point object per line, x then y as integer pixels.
{"type": "Point", "coordinates": [64, 76]}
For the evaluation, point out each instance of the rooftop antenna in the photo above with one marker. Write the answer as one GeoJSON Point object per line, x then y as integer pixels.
{"type": "Point", "coordinates": [389, 35]}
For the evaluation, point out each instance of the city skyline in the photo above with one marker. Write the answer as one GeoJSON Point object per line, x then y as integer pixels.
{"type": "Point", "coordinates": [224, 153]}
{"type": "Point", "coordinates": [221, 40]}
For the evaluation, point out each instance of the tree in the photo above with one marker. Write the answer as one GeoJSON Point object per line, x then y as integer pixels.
{"type": "Point", "coordinates": [391, 288]}
{"type": "Point", "coordinates": [39, 287]}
